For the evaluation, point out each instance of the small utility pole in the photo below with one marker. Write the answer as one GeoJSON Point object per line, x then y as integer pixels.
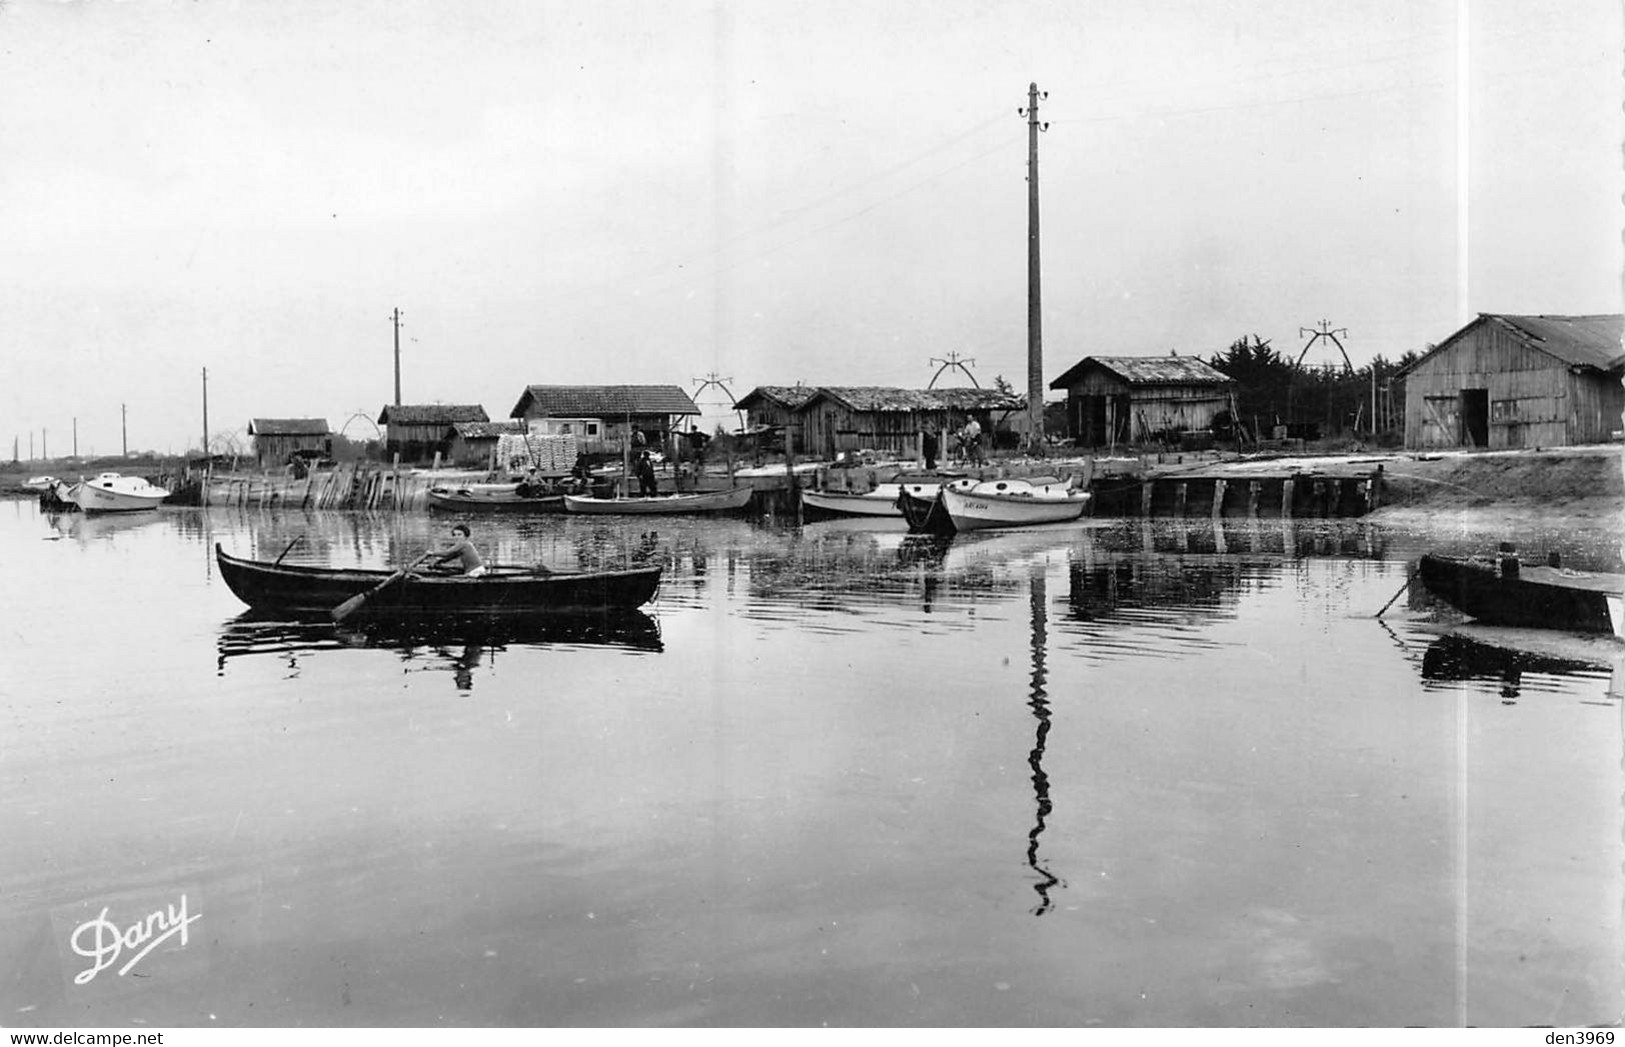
{"type": "Point", "coordinates": [76, 436]}
{"type": "Point", "coordinates": [124, 427]}
{"type": "Point", "coordinates": [1035, 337]}
{"type": "Point", "coordinates": [205, 413]}
{"type": "Point", "coordinates": [397, 357]}
{"type": "Point", "coordinates": [43, 446]}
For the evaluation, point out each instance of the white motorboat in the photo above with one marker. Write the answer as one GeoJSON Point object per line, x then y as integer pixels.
{"type": "Point", "coordinates": [974, 505]}
{"type": "Point", "coordinates": [40, 483]}
{"type": "Point", "coordinates": [116, 493]}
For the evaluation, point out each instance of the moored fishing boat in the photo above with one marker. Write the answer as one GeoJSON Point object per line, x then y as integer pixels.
{"type": "Point", "coordinates": [494, 498]}
{"type": "Point", "coordinates": [882, 501]}
{"type": "Point", "coordinates": [116, 493]}
{"type": "Point", "coordinates": [973, 505]}
{"type": "Point", "coordinates": [703, 502]}
{"type": "Point", "coordinates": [501, 591]}
{"type": "Point", "coordinates": [1503, 591]}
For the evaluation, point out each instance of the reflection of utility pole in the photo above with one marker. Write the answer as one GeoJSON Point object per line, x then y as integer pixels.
{"type": "Point", "coordinates": [1038, 702]}
{"type": "Point", "coordinates": [953, 361]}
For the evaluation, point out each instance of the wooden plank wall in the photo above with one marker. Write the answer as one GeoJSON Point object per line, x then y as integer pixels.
{"type": "Point", "coordinates": [1534, 399]}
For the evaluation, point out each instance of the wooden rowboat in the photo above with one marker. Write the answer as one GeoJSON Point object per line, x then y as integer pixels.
{"type": "Point", "coordinates": [1502, 591]}
{"type": "Point", "coordinates": [704, 502]}
{"type": "Point", "coordinates": [882, 501]}
{"type": "Point", "coordinates": [502, 591]}
{"type": "Point", "coordinates": [974, 506]}
{"type": "Point", "coordinates": [493, 498]}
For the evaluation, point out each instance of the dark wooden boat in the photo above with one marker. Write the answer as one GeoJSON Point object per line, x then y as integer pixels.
{"type": "Point", "coordinates": [502, 591]}
{"type": "Point", "coordinates": [1502, 591]}
{"type": "Point", "coordinates": [925, 515]}
{"type": "Point", "coordinates": [494, 498]}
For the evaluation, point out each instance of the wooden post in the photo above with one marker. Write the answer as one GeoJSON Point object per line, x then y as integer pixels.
{"type": "Point", "coordinates": [1179, 498]}
{"type": "Point", "coordinates": [1218, 498]}
{"type": "Point", "coordinates": [1252, 499]}
{"type": "Point", "coordinates": [1146, 487]}
{"type": "Point", "coordinates": [1286, 498]}
{"type": "Point", "coordinates": [792, 487]}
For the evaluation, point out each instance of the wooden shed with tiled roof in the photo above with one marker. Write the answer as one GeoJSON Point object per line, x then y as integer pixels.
{"type": "Point", "coordinates": [1506, 381]}
{"type": "Point", "coordinates": [603, 415]}
{"type": "Point", "coordinates": [1113, 400]}
{"type": "Point", "coordinates": [417, 432]}
{"type": "Point", "coordinates": [773, 405]}
{"type": "Point", "coordinates": [879, 418]}
{"type": "Point", "coordinates": [276, 440]}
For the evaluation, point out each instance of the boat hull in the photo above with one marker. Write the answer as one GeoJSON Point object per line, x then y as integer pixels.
{"type": "Point", "coordinates": [114, 494]}
{"type": "Point", "coordinates": [882, 501]}
{"type": "Point", "coordinates": [983, 507]}
{"type": "Point", "coordinates": [301, 590]}
{"type": "Point", "coordinates": [925, 515]}
{"type": "Point", "coordinates": [706, 502]}
{"type": "Point", "coordinates": [1537, 597]}
{"type": "Point", "coordinates": [493, 498]}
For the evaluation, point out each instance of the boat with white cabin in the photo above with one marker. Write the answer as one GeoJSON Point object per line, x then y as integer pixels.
{"type": "Point", "coordinates": [974, 505]}
{"type": "Point", "coordinates": [116, 493]}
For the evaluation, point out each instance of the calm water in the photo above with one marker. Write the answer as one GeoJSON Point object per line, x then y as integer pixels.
{"type": "Point", "coordinates": [1114, 774]}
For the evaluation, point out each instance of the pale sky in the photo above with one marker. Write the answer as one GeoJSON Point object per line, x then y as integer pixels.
{"type": "Point", "coordinates": [827, 192]}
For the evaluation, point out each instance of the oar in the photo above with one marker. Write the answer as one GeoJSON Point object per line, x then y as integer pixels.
{"type": "Point", "coordinates": [1408, 580]}
{"type": "Point", "coordinates": [289, 549]}
{"type": "Point", "coordinates": [359, 600]}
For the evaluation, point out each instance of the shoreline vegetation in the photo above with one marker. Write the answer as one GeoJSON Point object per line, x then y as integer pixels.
{"type": "Point", "coordinates": [1583, 483]}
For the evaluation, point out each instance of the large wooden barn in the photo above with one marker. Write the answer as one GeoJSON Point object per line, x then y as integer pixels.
{"type": "Point", "coordinates": [276, 440]}
{"type": "Point", "coordinates": [875, 418]}
{"type": "Point", "coordinates": [1113, 400]}
{"type": "Point", "coordinates": [600, 416]}
{"type": "Point", "coordinates": [417, 432]}
{"type": "Point", "coordinates": [1518, 381]}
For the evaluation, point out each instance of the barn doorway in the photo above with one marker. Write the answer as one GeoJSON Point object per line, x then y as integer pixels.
{"type": "Point", "coordinates": [1475, 417]}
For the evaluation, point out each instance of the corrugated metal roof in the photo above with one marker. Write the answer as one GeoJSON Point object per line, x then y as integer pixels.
{"type": "Point", "coordinates": [1147, 370]}
{"type": "Point", "coordinates": [603, 401]}
{"type": "Point", "coordinates": [487, 430]}
{"type": "Point", "coordinates": [884, 398]}
{"type": "Point", "coordinates": [787, 396]}
{"type": "Point", "coordinates": [432, 414]}
{"type": "Point", "coordinates": [288, 427]}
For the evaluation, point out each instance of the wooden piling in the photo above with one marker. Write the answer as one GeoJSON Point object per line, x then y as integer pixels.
{"type": "Point", "coordinates": [1286, 498]}
{"type": "Point", "coordinates": [1218, 498]}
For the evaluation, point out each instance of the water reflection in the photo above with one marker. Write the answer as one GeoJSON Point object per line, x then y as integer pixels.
{"type": "Point", "coordinates": [457, 646]}
{"type": "Point", "coordinates": [1038, 701]}
{"type": "Point", "coordinates": [1506, 659]}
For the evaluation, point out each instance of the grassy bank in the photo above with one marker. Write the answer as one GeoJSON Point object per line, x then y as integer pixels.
{"type": "Point", "coordinates": [1569, 482]}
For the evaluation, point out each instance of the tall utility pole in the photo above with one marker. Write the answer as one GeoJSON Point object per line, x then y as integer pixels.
{"type": "Point", "coordinates": [205, 413]}
{"type": "Point", "coordinates": [397, 357]}
{"type": "Point", "coordinates": [1035, 335]}
{"type": "Point", "coordinates": [124, 427]}
{"type": "Point", "coordinates": [76, 436]}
